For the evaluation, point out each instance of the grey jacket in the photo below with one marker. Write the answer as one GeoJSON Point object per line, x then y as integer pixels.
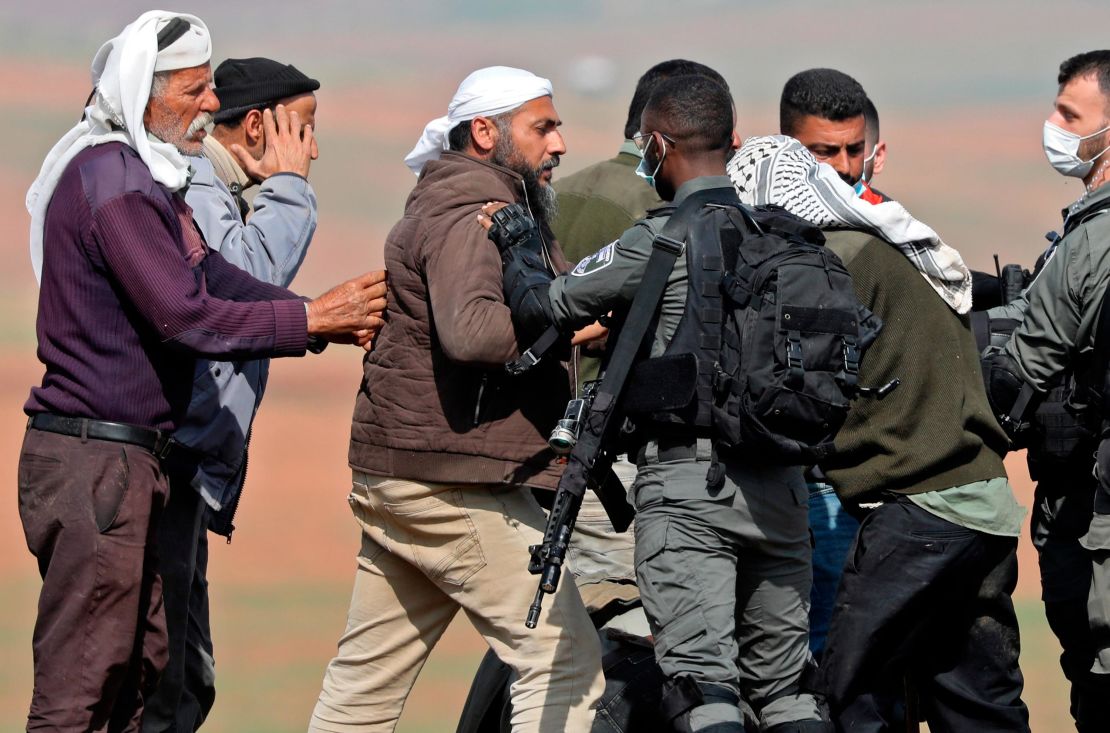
{"type": "Point", "coordinates": [1058, 330]}
{"type": "Point", "coordinates": [226, 395]}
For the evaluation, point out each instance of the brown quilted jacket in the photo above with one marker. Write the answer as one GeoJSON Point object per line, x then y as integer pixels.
{"type": "Point", "coordinates": [435, 403]}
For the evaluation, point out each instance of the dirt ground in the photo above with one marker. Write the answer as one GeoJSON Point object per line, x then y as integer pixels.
{"type": "Point", "coordinates": [280, 589]}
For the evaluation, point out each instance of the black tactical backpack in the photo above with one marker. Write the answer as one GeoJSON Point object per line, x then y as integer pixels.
{"type": "Point", "coordinates": [766, 357]}
{"type": "Point", "coordinates": [793, 336]}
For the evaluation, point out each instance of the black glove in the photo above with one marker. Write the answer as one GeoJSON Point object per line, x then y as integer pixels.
{"type": "Point", "coordinates": [512, 226]}
{"type": "Point", "coordinates": [527, 276]}
{"type": "Point", "coordinates": [1004, 386]}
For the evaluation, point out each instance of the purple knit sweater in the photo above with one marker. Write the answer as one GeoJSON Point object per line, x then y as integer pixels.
{"type": "Point", "coordinates": [130, 295]}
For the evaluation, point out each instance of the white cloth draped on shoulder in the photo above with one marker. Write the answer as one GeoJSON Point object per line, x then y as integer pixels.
{"type": "Point", "coordinates": [485, 93]}
{"type": "Point", "coordinates": [777, 169]}
{"type": "Point", "coordinates": [122, 71]}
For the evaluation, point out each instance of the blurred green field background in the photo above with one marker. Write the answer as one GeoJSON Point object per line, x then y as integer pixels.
{"type": "Point", "coordinates": [962, 87]}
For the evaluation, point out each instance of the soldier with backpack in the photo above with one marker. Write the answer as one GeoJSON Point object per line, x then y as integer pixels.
{"type": "Point", "coordinates": [926, 588]}
{"type": "Point", "coordinates": [722, 544]}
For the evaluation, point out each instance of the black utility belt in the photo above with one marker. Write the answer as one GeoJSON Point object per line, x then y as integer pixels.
{"type": "Point", "coordinates": [670, 447]}
{"type": "Point", "coordinates": [155, 441]}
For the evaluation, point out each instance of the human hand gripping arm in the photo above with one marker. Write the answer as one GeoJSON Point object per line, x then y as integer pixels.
{"type": "Point", "coordinates": [350, 313]}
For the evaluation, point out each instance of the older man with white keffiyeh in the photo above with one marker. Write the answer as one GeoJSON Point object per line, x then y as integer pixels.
{"type": "Point", "coordinates": [926, 589]}
{"type": "Point", "coordinates": [130, 295]}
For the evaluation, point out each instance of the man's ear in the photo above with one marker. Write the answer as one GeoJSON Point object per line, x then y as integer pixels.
{"type": "Point", "coordinates": [483, 134]}
{"type": "Point", "coordinates": [253, 129]}
{"type": "Point", "coordinates": [736, 141]}
{"type": "Point", "coordinates": [880, 158]}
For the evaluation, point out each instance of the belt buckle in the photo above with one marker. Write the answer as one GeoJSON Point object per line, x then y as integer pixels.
{"type": "Point", "coordinates": [163, 446]}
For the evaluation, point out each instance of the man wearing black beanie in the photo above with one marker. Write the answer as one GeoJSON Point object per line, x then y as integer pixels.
{"type": "Point", "coordinates": [263, 135]}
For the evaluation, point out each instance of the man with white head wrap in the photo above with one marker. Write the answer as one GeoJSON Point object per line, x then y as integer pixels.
{"type": "Point", "coordinates": [445, 445]}
{"type": "Point", "coordinates": [926, 589]}
{"type": "Point", "coordinates": [130, 296]}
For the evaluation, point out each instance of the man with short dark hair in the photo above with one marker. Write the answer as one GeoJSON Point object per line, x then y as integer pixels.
{"type": "Point", "coordinates": [828, 112]}
{"type": "Point", "coordinates": [1062, 332]}
{"type": "Point", "coordinates": [823, 109]}
{"type": "Point", "coordinates": [926, 591]}
{"type": "Point", "coordinates": [265, 125]}
{"type": "Point", "coordinates": [446, 445]}
{"type": "Point", "coordinates": [723, 570]}
{"type": "Point", "coordinates": [130, 295]}
{"type": "Point", "coordinates": [596, 205]}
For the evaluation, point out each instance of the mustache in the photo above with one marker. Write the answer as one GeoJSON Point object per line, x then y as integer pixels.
{"type": "Point", "coordinates": [203, 120]}
{"type": "Point", "coordinates": [552, 162]}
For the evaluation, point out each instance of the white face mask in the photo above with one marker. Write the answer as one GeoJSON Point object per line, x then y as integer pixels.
{"type": "Point", "coordinates": [1062, 149]}
{"type": "Point", "coordinates": [866, 162]}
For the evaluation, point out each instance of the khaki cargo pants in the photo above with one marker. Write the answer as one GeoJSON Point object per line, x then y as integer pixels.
{"type": "Point", "coordinates": [427, 551]}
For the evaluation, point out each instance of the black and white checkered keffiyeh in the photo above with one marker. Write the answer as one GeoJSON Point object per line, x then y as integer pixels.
{"type": "Point", "coordinates": [779, 170]}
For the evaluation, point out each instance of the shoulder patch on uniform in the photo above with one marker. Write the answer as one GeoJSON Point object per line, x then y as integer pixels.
{"type": "Point", "coordinates": [597, 261]}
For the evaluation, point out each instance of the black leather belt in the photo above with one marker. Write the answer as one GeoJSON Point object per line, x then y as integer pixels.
{"type": "Point", "coordinates": [155, 441]}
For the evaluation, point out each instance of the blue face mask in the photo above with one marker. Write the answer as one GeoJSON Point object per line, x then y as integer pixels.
{"type": "Point", "coordinates": [642, 168]}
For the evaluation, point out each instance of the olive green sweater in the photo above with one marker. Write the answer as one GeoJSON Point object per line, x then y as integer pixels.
{"type": "Point", "coordinates": [598, 203]}
{"type": "Point", "coordinates": [936, 430]}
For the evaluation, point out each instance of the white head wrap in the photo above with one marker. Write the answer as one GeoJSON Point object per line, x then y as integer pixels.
{"type": "Point", "coordinates": [122, 71]}
{"type": "Point", "coordinates": [485, 93]}
{"type": "Point", "coordinates": [780, 170]}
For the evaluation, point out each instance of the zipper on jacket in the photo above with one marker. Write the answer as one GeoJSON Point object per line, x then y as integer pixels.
{"type": "Point", "coordinates": [478, 402]}
{"type": "Point", "coordinates": [242, 487]}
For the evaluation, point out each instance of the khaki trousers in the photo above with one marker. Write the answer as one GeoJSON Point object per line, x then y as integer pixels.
{"type": "Point", "coordinates": [427, 551]}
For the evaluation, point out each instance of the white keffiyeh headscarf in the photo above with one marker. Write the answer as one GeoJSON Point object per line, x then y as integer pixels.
{"type": "Point", "coordinates": [485, 93]}
{"type": "Point", "coordinates": [122, 71]}
{"type": "Point", "coordinates": [780, 170]}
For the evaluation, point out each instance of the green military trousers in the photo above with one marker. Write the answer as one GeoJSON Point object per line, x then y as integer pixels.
{"type": "Point", "coordinates": [725, 578]}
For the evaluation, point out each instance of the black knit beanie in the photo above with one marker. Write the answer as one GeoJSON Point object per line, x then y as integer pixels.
{"type": "Point", "coordinates": [246, 84]}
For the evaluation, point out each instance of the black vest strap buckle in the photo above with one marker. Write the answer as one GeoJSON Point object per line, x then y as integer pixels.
{"type": "Point", "coordinates": [851, 355]}
{"type": "Point", "coordinates": [668, 245]}
{"type": "Point", "coordinates": [794, 356]}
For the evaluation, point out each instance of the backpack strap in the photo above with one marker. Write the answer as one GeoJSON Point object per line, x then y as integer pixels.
{"type": "Point", "coordinates": [665, 249]}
